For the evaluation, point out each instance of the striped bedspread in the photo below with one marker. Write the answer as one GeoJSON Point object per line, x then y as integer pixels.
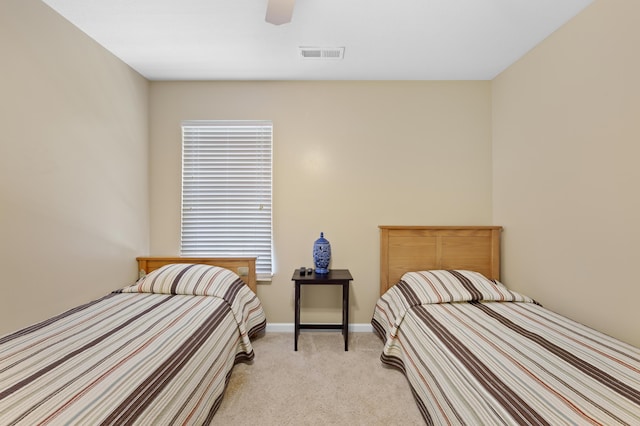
{"type": "Point", "coordinates": [129, 358]}
{"type": "Point", "coordinates": [476, 353]}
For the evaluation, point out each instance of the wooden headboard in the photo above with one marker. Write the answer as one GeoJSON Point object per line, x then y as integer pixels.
{"type": "Point", "coordinates": [245, 267]}
{"type": "Point", "coordinates": [418, 248]}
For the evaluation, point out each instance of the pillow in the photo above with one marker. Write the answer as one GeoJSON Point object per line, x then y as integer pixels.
{"type": "Point", "coordinates": [444, 286]}
{"type": "Point", "coordinates": [187, 278]}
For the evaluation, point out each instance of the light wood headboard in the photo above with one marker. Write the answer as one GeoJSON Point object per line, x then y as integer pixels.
{"type": "Point", "coordinates": [418, 248]}
{"type": "Point", "coordinates": [245, 267]}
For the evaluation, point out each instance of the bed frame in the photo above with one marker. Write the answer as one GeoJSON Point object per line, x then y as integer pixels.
{"type": "Point", "coordinates": [245, 267]}
{"type": "Point", "coordinates": [419, 248]}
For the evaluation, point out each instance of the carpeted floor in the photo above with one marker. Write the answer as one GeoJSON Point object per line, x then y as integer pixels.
{"type": "Point", "coordinates": [320, 384]}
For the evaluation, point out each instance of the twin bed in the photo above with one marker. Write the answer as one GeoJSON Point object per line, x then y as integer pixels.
{"type": "Point", "coordinates": [477, 353]}
{"type": "Point", "coordinates": [157, 352]}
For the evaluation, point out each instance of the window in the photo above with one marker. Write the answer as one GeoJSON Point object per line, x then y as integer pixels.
{"type": "Point", "coordinates": [226, 190]}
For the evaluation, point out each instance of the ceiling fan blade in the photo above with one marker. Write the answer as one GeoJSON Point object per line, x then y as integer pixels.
{"type": "Point", "coordinates": [279, 11]}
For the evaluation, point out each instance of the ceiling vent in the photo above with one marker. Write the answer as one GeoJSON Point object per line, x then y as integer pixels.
{"type": "Point", "coordinates": [322, 52]}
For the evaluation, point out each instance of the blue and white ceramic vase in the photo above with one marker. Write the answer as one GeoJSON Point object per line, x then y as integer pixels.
{"type": "Point", "coordinates": [322, 254]}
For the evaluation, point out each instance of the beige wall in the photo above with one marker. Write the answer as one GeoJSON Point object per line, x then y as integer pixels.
{"type": "Point", "coordinates": [566, 144]}
{"type": "Point", "coordinates": [73, 170]}
{"type": "Point", "coordinates": [348, 156]}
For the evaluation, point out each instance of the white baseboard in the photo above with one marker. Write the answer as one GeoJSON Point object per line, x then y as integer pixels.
{"type": "Point", "coordinates": [281, 327]}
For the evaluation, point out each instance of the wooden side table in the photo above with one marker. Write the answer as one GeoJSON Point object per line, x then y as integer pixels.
{"type": "Point", "coordinates": [334, 277]}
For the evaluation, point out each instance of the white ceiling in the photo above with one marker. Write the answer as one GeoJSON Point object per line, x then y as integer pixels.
{"type": "Point", "coordinates": [383, 39]}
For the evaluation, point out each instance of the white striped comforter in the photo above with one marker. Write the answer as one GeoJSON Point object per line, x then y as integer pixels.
{"type": "Point", "coordinates": [128, 358]}
{"type": "Point", "coordinates": [504, 360]}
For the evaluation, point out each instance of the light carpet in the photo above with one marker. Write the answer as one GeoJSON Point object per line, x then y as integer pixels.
{"type": "Point", "coordinates": [320, 384]}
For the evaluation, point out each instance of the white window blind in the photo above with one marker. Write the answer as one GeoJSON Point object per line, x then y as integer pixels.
{"type": "Point", "coordinates": [226, 190]}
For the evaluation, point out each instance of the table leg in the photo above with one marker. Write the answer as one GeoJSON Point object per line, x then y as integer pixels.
{"type": "Point", "coordinates": [345, 315]}
{"type": "Point", "coordinates": [296, 331]}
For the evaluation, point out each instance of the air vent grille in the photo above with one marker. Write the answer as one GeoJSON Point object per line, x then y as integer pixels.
{"type": "Point", "coordinates": [322, 52]}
